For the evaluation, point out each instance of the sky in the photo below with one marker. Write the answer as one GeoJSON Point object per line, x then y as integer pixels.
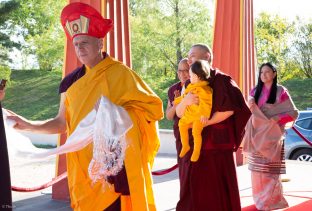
{"type": "Point", "coordinates": [288, 9]}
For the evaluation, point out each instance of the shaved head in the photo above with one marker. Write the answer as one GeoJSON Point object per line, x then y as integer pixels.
{"type": "Point", "coordinates": [204, 50]}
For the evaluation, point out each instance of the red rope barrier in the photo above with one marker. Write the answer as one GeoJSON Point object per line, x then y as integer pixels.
{"type": "Point", "coordinates": [46, 185]}
{"type": "Point", "coordinates": [165, 171]}
{"type": "Point", "coordinates": [301, 136]}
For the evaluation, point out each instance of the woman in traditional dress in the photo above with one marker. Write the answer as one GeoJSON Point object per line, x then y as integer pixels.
{"type": "Point", "coordinates": [272, 110]}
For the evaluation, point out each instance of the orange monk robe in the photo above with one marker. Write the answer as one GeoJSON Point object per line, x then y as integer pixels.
{"type": "Point", "coordinates": [123, 87]}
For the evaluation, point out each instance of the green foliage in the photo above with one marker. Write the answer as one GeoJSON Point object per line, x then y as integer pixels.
{"type": "Point", "coordinates": [160, 87]}
{"type": "Point", "coordinates": [271, 41]}
{"type": "Point", "coordinates": [5, 73]}
{"type": "Point", "coordinates": [50, 48]}
{"type": "Point", "coordinates": [39, 23]}
{"type": "Point", "coordinates": [163, 31]}
{"type": "Point", "coordinates": [7, 8]}
{"type": "Point", "coordinates": [287, 45]}
{"type": "Point", "coordinates": [33, 94]}
{"type": "Point", "coordinates": [303, 47]}
{"type": "Point", "coordinates": [37, 16]}
{"type": "Point", "coordinates": [301, 92]}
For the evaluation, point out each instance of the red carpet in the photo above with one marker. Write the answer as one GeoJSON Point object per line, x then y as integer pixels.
{"type": "Point", "coordinates": [249, 208]}
{"type": "Point", "coordinates": [301, 207]}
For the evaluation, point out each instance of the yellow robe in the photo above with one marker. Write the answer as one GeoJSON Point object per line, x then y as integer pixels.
{"type": "Point", "coordinates": [192, 115]}
{"type": "Point", "coordinates": [194, 112]}
{"type": "Point", "coordinates": [123, 87]}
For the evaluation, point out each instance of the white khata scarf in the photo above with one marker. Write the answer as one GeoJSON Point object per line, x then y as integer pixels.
{"type": "Point", "coordinates": [106, 125]}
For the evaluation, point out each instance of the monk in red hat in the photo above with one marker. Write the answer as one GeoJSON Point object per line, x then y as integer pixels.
{"type": "Point", "coordinates": [101, 75]}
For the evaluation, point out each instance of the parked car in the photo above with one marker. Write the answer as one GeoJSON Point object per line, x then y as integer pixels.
{"type": "Point", "coordinates": [295, 147]}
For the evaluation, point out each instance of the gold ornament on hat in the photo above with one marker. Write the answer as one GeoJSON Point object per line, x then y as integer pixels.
{"type": "Point", "coordinates": [78, 26]}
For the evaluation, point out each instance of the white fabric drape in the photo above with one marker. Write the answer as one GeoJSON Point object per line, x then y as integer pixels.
{"type": "Point", "coordinates": [106, 126]}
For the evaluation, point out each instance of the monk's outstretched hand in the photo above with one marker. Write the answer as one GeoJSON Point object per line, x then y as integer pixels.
{"type": "Point", "coordinates": [20, 122]}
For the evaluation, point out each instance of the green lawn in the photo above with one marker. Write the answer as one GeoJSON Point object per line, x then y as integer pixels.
{"type": "Point", "coordinates": [34, 94]}
{"type": "Point", "coordinates": [301, 92]}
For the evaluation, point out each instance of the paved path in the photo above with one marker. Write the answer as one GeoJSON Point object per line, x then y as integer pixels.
{"type": "Point", "coordinates": [166, 188]}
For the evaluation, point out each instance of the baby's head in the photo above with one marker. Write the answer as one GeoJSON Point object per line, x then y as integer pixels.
{"type": "Point", "coordinates": [199, 71]}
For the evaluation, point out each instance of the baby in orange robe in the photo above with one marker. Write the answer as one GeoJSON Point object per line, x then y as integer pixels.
{"type": "Point", "coordinates": [199, 74]}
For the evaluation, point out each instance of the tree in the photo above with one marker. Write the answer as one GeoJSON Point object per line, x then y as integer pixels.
{"type": "Point", "coordinates": [303, 47]}
{"type": "Point", "coordinates": [6, 44]}
{"type": "Point", "coordinates": [40, 27]}
{"type": "Point", "coordinates": [5, 73]}
{"type": "Point", "coordinates": [271, 41]}
{"type": "Point", "coordinates": [163, 31]}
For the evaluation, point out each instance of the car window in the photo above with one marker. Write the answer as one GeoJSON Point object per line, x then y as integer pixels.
{"type": "Point", "coordinates": [304, 114]}
{"type": "Point", "coordinates": [305, 123]}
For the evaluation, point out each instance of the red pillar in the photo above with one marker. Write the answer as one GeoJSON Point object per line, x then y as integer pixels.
{"type": "Point", "coordinates": [233, 45]}
{"type": "Point", "coordinates": [226, 42]}
{"type": "Point", "coordinates": [111, 34]}
{"type": "Point", "coordinates": [249, 55]}
{"type": "Point", "coordinates": [108, 9]}
{"type": "Point", "coordinates": [120, 43]}
{"type": "Point", "coordinates": [118, 39]}
{"type": "Point", "coordinates": [126, 32]}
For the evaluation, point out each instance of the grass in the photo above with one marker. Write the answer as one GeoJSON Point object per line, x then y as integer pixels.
{"type": "Point", "coordinates": [34, 93]}
{"type": "Point", "coordinates": [44, 146]}
{"type": "Point", "coordinates": [301, 92]}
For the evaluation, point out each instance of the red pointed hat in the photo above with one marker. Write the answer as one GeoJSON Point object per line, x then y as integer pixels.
{"type": "Point", "coordinates": [82, 19]}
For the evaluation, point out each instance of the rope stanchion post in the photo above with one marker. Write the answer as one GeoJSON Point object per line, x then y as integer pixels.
{"type": "Point", "coordinates": [5, 179]}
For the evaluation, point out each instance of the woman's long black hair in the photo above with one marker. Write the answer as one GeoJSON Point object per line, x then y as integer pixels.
{"type": "Point", "coordinates": [272, 97]}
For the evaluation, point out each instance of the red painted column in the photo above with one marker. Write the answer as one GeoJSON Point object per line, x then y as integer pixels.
{"type": "Point", "coordinates": [226, 42]}
{"type": "Point", "coordinates": [126, 32]}
{"type": "Point", "coordinates": [233, 45]}
{"type": "Point", "coordinates": [119, 25]}
{"type": "Point", "coordinates": [111, 34]}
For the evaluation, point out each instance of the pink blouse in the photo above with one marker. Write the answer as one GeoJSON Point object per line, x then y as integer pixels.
{"type": "Point", "coordinates": [264, 96]}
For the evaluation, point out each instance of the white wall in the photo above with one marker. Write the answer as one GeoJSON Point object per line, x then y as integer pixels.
{"type": "Point", "coordinates": [167, 141]}
{"type": "Point", "coordinates": [42, 139]}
